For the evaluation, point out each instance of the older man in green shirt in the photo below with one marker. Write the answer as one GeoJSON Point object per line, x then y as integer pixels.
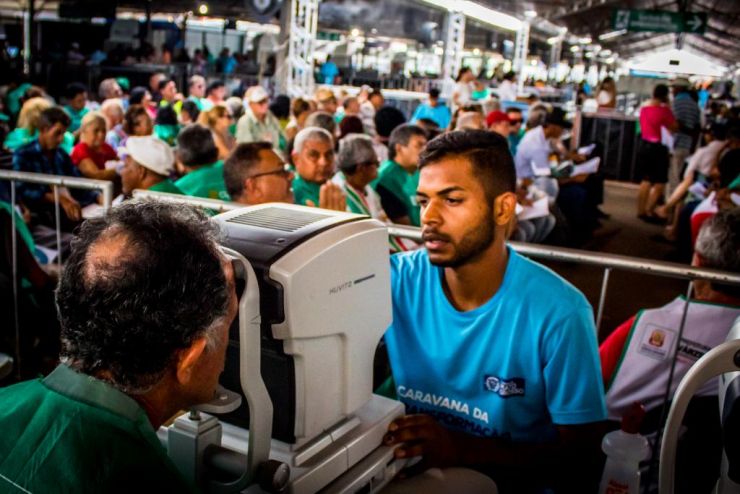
{"type": "Point", "coordinates": [204, 172]}
{"type": "Point", "coordinates": [148, 162]}
{"type": "Point", "coordinates": [144, 335]}
{"type": "Point", "coordinates": [398, 176]}
{"type": "Point", "coordinates": [313, 157]}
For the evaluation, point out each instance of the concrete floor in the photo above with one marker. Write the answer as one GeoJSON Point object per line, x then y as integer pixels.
{"type": "Point", "coordinates": [627, 291]}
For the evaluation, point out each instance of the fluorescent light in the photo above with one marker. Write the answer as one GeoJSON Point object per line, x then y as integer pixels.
{"type": "Point", "coordinates": [585, 40]}
{"type": "Point", "coordinates": [478, 12]}
{"type": "Point", "coordinates": [530, 14]}
{"type": "Point", "coordinates": [575, 48]}
{"type": "Point", "coordinates": [612, 34]}
{"type": "Point", "coordinates": [553, 40]}
{"type": "Point", "coordinates": [355, 32]}
{"type": "Point", "coordinates": [476, 52]}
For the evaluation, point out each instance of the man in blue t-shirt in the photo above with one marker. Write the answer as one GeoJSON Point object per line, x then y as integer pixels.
{"type": "Point", "coordinates": [494, 355]}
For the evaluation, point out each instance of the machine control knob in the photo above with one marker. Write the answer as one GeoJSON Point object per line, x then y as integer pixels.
{"type": "Point", "coordinates": [273, 476]}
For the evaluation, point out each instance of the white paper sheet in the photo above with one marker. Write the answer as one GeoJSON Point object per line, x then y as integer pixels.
{"type": "Point", "coordinates": [586, 150]}
{"type": "Point", "coordinates": [698, 189]}
{"type": "Point", "coordinates": [590, 166]}
{"type": "Point", "coordinates": [538, 209]}
{"type": "Point", "coordinates": [666, 138]}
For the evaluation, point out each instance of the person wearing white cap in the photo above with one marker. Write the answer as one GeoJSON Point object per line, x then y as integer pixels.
{"type": "Point", "coordinates": [258, 123]}
{"type": "Point", "coordinates": [148, 162]}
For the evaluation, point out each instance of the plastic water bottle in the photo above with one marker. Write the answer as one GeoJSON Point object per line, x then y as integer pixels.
{"type": "Point", "coordinates": [625, 449]}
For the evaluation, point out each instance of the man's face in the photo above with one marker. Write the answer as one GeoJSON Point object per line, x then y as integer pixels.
{"type": "Point", "coordinates": [169, 91]}
{"type": "Point", "coordinates": [433, 102]}
{"type": "Point", "coordinates": [553, 131]}
{"type": "Point", "coordinates": [377, 100]}
{"type": "Point", "coordinates": [211, 363]}
{"type": "Point", "coordinates": [79, 101]}
{"type": "Point", "coordinates": [315, 162]}
{"type": "Point", "coordinates": [353, 108]}
{"type": "Point", "coordinates": [260, 108]}
{"type": "Point", "coordinates": [218, 94]}
{"type": "Point", "coordinates": [408, 155]}
{"type": "Point", "coordinates": [52, 137]}
{"type": "Point", "coordinates": [131, 175]}
{"type": "Point", "coordinates": [502, 128]}
{"type": "Point", "coordinates": [271, 182]}
{"type": "Point", "coordinates": [515, 120]}
{"type": "Point", "coordinates": [198, 87]}
{"type": "Point", "coordinates": [456, 219]}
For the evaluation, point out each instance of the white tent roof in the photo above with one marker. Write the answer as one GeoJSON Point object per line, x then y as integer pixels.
{"type": "Point", "coordinates": [673, 61]}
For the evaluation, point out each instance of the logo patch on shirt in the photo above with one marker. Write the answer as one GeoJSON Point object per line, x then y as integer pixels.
{"type": "Point", "coordinates": [505, 388]}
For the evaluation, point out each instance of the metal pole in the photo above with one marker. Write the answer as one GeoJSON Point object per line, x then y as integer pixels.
{"type": "Point", "coordinates": [667, 397]}
{"type": "Point", "coordinates": [58, 225]}
{"type": "Point", "coordinates": [14, 260]}
{"type": "Point", "coordinates": [27, 28]}
{"type": "Point", "coordinates": [602, 298]}
{"type": "Point", "coordinates": [454, 44]}
{"type": "Point", "coordinates": [520, 54]}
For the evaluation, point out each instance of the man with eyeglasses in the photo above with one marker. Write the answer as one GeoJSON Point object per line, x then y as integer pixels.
{"type": "Point", "coordinates": [517, 130]}
{"type": "Point", "coordinates": [313, 157]}
{"type": "Point", "coordinates": [258, 123]}
{"type": "Point", "coordinates": [255, 174]}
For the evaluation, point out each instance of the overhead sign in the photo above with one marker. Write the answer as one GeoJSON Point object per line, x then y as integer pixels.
{"type": "Point", "coordinates": [659, 21]}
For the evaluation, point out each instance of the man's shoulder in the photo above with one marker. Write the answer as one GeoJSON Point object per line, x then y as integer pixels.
{"type": "Point", "coordinates": [551, 290]}
{"type": "Point", "coordinates": [28, 149]}
{"type": "Point", "coordinates": [410, 264]}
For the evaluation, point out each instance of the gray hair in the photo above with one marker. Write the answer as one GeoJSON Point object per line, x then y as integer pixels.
{"type": "Point", "coordinates": [106, 87]}
{"type": "Point", "coordinates": [236, 106]}
{"type": "Point", "coordinates": [311, 134]}
{"type": "Point", "coordinates": [470, 120]}
{"type": "Point", "coordinates": [114, 105]}
{"type": "Point", "coordinates": [353, 150]}
{"type": "Point", "coordinates": [718, 243]}
{"type": "Point", "coordinates": [322, 119]}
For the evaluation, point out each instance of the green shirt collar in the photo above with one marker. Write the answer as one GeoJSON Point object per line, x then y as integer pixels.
{"type": "Point", "coordinates": [95, 392]}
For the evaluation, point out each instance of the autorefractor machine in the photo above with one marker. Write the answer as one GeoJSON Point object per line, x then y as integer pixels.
{"type": "Point", "coordinates": [295, 404]}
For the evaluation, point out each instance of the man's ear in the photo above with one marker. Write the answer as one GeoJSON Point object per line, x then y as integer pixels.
{"type": "Point", "coordinates": [188, 360]}
{"type": "Point", "coordinates": [504, 208]}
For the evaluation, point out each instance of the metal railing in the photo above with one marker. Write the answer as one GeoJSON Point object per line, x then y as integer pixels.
{"type": "Point", "coordinates": [55, 181]}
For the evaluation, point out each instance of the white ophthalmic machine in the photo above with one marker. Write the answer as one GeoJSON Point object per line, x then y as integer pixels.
{"type": "Point", "coordinates": [295, 404]}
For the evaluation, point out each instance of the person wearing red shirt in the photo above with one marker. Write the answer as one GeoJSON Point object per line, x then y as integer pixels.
{"type": "Point", "coordinates": [92, 153]}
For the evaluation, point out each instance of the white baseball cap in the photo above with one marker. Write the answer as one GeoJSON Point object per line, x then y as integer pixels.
{"type": "Point", "coordinates": [255, 94]}
{"type": "Point", "coordinates": [150, 152]}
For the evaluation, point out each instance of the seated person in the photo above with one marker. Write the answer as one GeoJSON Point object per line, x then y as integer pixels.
{"type": "Point", "coordinates": [636, 357]}
{"type": "Point", "coordinates": [43, 155]}
{"type": "Point", "coordinates": [90, 425]}
{"type": "Point", "coordinates": [494, 375]}
{"type": "Point", "coordinates": [166, 125]}
{"type": "Point", "coordinates": [399, 175]}
{"type": "Point", "coordinates": [313, 157]}
{"type": "Point", "coordinates": [27, 127]}
{"type": "Point", "coordinates": [147, 164]}
{"type": "Point", "coordinates": [197, 156]}
{"type": "Point", "coordinates": [255, 174]}
{"type": "Point", "coordinates": [358, 166]}
{"type": "Point", "coordinates": [92, 153]}
{"type": "Point", "coordinates": [76, 96]}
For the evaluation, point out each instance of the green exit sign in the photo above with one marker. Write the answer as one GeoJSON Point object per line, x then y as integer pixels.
{"type": "Point", "coordinates": [659, 21]}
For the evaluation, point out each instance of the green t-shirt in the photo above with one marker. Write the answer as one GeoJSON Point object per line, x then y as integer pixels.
{"type": "Point", "coordinates": [71, 432]}
{"type": "Point", "coordinates": [167, 185]}
{"type": "Point", "coordinates": [76, 116]}
{"type": "Point", "coordinates": [304, 191]}
{"type": "Point", "coordinates": [401, 184]}
{"type": "Point", "coordinates": [207, 181]}
{"type": "Point", "coordinates": [167, 133]}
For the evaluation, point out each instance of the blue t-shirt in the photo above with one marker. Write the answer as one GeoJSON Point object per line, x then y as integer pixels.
{"type": "Point", "coordinates": [511, 368]}
{"type": "Point", "coordinates": [440, 114]}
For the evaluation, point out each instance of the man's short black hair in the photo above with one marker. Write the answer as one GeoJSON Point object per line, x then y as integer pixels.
{"type": "Point", "coordinates": [218, 83]}
{"type": "Point", "coordinates": [196, 147]}
{"type": "Point", "coordinates": [191, 107]}
{"type": "Point", "coordinates": [387, 119]}
{"type": "Point", "coordinates": [240, 164]}
{"type": "Point", "coordinates": [513, 109]}
{"type": "Point", "coordinates": [123, 319]}
{"type": "Point", "coordinates": [73, 89]}
{"type": "Point", "coordinates": [401, 135]}
{"type": "Point", "coordinates": [434, 93]}
{"type": "Point", "coordinates": [488, 153]}
{"type": "Point", "coordinates": [166, 115]}
{"type": "Point", "coordinates": [52, 116]}
{"type": "Point", "coordinates": [510, 76]}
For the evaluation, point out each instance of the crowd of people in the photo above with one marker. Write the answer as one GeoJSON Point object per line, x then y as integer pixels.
{"type": "Point", "coordinates": [471, 179]}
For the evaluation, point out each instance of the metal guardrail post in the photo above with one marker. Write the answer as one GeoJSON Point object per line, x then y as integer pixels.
{"type": "Point", "coordinates": [602, 298]}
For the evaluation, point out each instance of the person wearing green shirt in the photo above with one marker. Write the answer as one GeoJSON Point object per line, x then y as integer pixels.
{"type": "Point", "coordinates": [147, 164]}
{"type": "Point", "coordinates": [76, 107]}
{"type": "Point", "coordinates": [398, 176]}
{"type": "Point", "coordinates": [258, 123]}
{"type": "Point", "coordinates": [198, 155]}
{"type": "Point", "coordinates": [313, 157]}
{"type": "Point", "coordinates": [90, 425]}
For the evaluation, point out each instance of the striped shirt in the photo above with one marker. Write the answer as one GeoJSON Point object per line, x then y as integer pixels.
{"type": "Point", "coordinates": [687, 113]}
